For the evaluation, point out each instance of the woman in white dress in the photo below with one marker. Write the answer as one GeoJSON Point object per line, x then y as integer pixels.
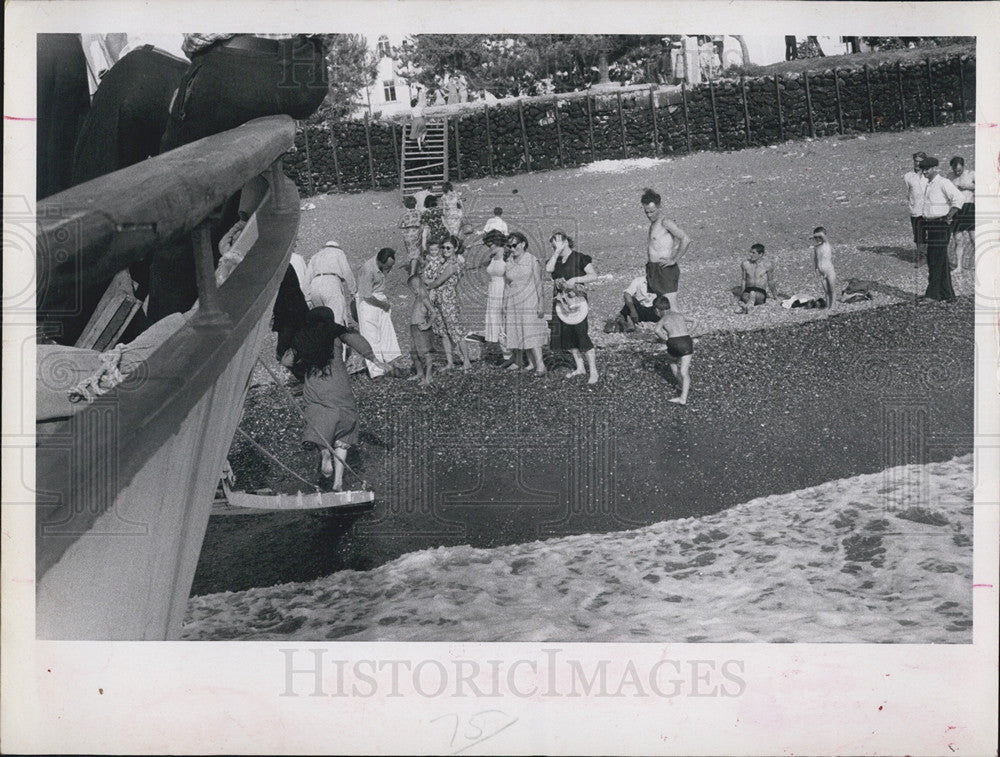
{"type": "Point", "coordinates": [963, 225]}
{"type": "Point", "coordinates": [496, 267]}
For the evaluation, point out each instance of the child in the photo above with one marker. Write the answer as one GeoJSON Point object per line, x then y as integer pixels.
{"type": "Point", "coordinates": [823, 260]}
{"type": "Point", "coordinates": [756, 275]}
{"type": "Point", "coordinates": [421, 337]}
{"type": "Point", "coordinates": [410, 224]}
{"type": "Point", "coordinates": [673, 329]}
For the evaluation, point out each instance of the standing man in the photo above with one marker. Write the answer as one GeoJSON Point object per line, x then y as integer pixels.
{"type": "Point", "coordinates": [667, 243]}
{"type": "Point", "coordinates": [915, 184]}
{"type": "Point", "coordinates": [942, 200]}
{"type": "Point", "coordinates": [374, 321]}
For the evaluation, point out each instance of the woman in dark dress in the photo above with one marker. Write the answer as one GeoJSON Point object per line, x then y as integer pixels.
{"type": "Point", "coordinates": [571, 271]}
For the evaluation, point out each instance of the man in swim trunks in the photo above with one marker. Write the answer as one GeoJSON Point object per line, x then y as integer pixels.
{"type": "Point", "coordinates": [667, 243]}
{"type": "Point", "coordinates": [674, 330]}
{"type": "Point", "coordinates": [757, 273]}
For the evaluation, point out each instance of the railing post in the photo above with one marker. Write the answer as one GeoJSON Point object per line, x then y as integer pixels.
{"type": "Point", "coordinates": [715, 115]}
{"type": "Point", "coordinates": [524, 134]}
{"type": "Point", "coordinates": [746, 109]}
{"type": "Point", "coordinates": [621, 123]}
{"type": "Point", "coordinates": [687, 125]}
{"type": "Point", "coordinates": [781, 119]}
{"type": "Point", "coordinates": [368, 143]}
{"type": "Point", "coordinates": [840, 110]}
{"type": "Point", "coordinates": [396, 153]}
{"type": "Point", "coordinates": [899, 83]}
{"type": "Point", "coordinates": [210, 312]}
{"type": "Point", "coordinates": [277, 184]}
{"type": "Point", "coordinates": [489, 141]}
{"type": "Point", "coordinates": [930, 92]}
{"type": "Point", "coordinates": [458, 150]}
{"type": "Point", "coordinates": [809, 106]}
{"type": "Point", "coordinates": [652, 112]}
{"type": "Point", "coordinates": [590, 127]}
{"type": "Point", "coordinates": [555, 103]}
{"type": "Point", "coordinates": [871, 106]}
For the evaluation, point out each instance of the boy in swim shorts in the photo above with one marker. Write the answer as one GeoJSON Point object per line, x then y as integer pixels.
{"type": "Point", "coordinates": [674, 331]}
{"type": "Point", "coordinates": [756, 273]}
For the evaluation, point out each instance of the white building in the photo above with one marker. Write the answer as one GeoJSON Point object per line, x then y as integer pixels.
{"type": "Point", "coordinates": [390, 94]}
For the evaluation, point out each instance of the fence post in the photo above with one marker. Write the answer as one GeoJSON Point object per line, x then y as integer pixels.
{"type": "Point", "coordinates": [961, 86]}
{"type": "Point", "coordinates": [687, 127]}
{"type": "Point", "coordinates": [715, 115]}
{"type": "Point", "coordinates": [524, 134]}
{"type": "Point", "coordinates": [555, 104]}
{"type": "Point", "coordinates": [652, 111]}
{"type": "Point", "coordinates": [309, 167]}
{"type": "Point", "coordinates": [458, 150]}
{"type": "Point", "coordinates": [489, 140]}
{"type": "Point", "coordinates": [621, 123]}
{"type": "Point", "coordinates": [930, 92]}
{"type": "Point", "coordinates": [590, 128]}
{"type": "Point", "coordinates": [336, 160]}
{"type": "Point", "coordinates": [368, 143]}
{"type": "Point", "coordinates": [840, 109]}
{"type": "Point", "coordinates": [781, 118]}
{"type": "Point", "coordinates": [902, 100]}
{"type": "Point", "coordinates": [871, 107]}
{"type": "Point", "coordinates": [809, 106]}
{"type": "Point", "coordinates": [746, 109]}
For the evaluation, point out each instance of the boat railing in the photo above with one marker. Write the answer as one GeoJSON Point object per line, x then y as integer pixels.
{"type": "Point", "coordinates": [85, 235]}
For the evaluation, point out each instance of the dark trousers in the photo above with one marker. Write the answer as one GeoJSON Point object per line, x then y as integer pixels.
{"type": "Point", "coordinates": [222, 89]}
{"type": "Point", "coordinates": [63, 96]}
{"type": "Point", "coordinates": [937, 233]}
{"type": "Point", "coordinates": [124, 126]}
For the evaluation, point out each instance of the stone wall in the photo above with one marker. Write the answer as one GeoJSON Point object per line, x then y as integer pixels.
{"type": "Point", "coordinates": [571, 130]}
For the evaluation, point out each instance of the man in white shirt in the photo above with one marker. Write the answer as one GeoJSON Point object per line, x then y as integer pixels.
{"type": "Point", "coordinates": [495, 222]}
{"type": "Point", "coordinates": [638, 306]}
{"type": "Point", "coordinates": [915, 184]}
{"type": "Point", "coordinates": [942, 200]}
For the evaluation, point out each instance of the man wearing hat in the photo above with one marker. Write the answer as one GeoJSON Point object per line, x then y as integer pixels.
{"type": "Point", "coordinates": [329, 282]}
{"type": "Point", "coordinates": [942, 200]}
{"type": "Point", "coordinates": [915, 185]}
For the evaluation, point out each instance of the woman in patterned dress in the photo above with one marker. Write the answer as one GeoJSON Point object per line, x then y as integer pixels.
{"type": "Point", "coordinates": [523, 310]}
{"type": "Point", "coordinates": [451, 209]}
{"type": "Point", "coordinates": [441, 275]}
{"type": "Point", "coordinates": [431, 222]}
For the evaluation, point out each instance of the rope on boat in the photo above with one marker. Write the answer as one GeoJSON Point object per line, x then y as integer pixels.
{"type": "Point", "coordinates": [272, 458]}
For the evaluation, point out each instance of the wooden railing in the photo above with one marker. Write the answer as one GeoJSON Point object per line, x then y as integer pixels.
{"type": "Point", "coordinates": [94, 230]}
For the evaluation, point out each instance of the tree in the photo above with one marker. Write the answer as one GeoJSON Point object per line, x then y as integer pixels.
{"type": "Point", "coordinates": [351, 68]}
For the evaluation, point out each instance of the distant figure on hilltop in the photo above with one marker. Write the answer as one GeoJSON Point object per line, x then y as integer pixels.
{"type": "Point", "coordinates": [666, 244]}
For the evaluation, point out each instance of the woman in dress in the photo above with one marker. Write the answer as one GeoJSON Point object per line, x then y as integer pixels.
{"type": "Point", "coordinates": [431, 222]}
{"type": "Point", "coordinates": [523, 307]}
{"type": "Point", "coordinates": [331, 411]}
{"type": "Point", "coordinates": [496, 266]}
{"type": "Point", "coordinates": [963, 225]}
{"type": "Point", "coordinates": [451, 209]}
{"type": "Point", "coordinates": [441, 275]}
{"type": "Point", "coordinates": [571, 271]}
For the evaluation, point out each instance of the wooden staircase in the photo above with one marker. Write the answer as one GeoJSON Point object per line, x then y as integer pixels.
{"type": "Point", "coordinates": [425, 168]}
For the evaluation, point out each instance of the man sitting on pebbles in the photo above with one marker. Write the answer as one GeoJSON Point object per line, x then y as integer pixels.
{"type": "Point", "coordinates": [756, 273]}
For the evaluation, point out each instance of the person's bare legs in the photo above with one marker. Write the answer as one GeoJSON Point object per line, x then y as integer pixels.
{"type": "Point", "coordinates": [463, 350]}
{"type": "Point", "coordinates": [680, 370]}
{"type": "Point", "coordinates": [539, 364]}
{"type": "Point", "coordinates": [578, 359]}
{"type": "Point", "coordinates": [339, 457]}
{"type": "Point", "coordinates": [449, 360]}
{"type": "Point", "coordinates": [592, 365]}
{"type": "Point", "coordinates": [830, 285]}
{"type": "Point", "coordinates": [672, 298]}
{"type": "Point", "coordinates": [514, 364]}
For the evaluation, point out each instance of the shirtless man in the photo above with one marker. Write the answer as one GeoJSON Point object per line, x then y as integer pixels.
{"type": "Point", "coordinates": [823, 260]}
{"type": "Point", "coordinates": [667, 243]}
{"type": "Point", "coordinates": [757, 273]}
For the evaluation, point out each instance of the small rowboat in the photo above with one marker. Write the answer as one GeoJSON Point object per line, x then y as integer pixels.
{"type": "Point", "coordinates": [247, 503]}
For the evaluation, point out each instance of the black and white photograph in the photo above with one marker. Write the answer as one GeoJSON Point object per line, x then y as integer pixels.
{"type": "Point", "coordinates": [520, 367]}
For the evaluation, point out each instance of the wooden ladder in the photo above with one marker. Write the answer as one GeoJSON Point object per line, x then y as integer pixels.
{"type": "Point", "coordinates": [426, 168]}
